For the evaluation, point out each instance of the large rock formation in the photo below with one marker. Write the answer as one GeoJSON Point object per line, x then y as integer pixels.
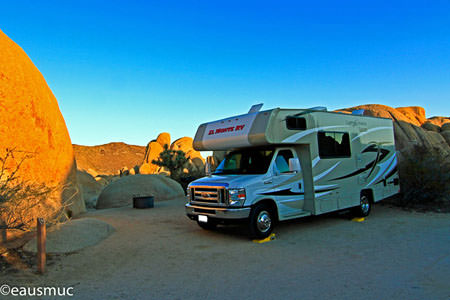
{"type": "Point", "coordinates": [108, 159]}
{"type": "Point", "coordinates": [185, 144]}
{"type": "Point", "coordinates": [414, 113]}
{"type": "Point", "coordinates": [445, 132]}
{"type": "Point", "coordinates": [407, 122]}
{"type": "Point", "coordinates": [424, 155]}
{"type": "Point", "coordinates": [32, 122]}
{"type": "Point", "coordinates": [439, 121]}
{"type": "Point", "coordinates": [121, 192]}
{"type": "Point", "coordinates": [90, 188]}
{"type": "Point", "coordinates": [163, 139]}
{"type": "Point", "coordinates": [151, 153]}
{"type": "Point", "coordinates": [155, 147]}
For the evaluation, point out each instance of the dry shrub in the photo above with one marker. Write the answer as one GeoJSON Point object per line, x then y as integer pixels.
{"type": "Point", "coordinates": [21, 201]}
{"type": "Point", "coordinates": [425, 179]}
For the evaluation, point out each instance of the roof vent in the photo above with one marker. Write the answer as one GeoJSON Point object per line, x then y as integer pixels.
{"type": "Point", "coordinates": [358, 112]}
{"type": "Point", "coordinates": [255, 108]}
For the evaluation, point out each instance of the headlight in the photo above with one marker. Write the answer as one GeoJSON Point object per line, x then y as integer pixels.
{"type": "Point", "coordinates": [236, 197]}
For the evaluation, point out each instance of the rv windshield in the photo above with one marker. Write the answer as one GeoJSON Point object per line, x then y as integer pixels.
{"type": "Point", "coordinates": [248, 161]}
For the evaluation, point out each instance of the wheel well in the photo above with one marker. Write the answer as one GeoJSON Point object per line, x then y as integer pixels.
{"type": "Point", "coordinates": [270, 203]}
{"type": "Point", "coordinates": [368, 193]}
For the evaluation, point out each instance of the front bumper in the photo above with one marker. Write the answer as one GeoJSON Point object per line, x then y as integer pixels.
{"type": "Point", "coordinates": [223, 213]}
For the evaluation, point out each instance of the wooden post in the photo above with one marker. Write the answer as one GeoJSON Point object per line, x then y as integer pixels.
{"type": "Point", "coordinates": [41, 237]}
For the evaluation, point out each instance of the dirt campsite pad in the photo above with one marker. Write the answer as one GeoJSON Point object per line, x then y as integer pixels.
{"type": "Point", "coordinates": [160, 254]}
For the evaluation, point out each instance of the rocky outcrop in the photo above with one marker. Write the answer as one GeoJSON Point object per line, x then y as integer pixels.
{"type": "Point", "coordinates": [121, 192]}
{"type": "Point", "coordinates": [163, 139]}
{"type": "Point", "coordinates": [424, 156]}
{"type": "Point", "coordinates": [407, 122]}
{"type": "Point", "coordinates": [445, 127]}
{"type": "Point", "coordinates": [90, 188]}
{"type": "Point", "coordinates": [414, 113]}
{"type": "Point", "coordinates": [446, 136]}
{"type": "Point", "coordinates": [431, 127]}
{"type": "Point", "coordinates": [108, 159]}
{"type": "Point", "coordinates": [146, 169]}
{"type": "Point", "coordinates": [384, 111]}
{"type": "Point", "coordinates": [185, 144]}
{"type": "Point", "coordinates": [439, 121]}
{"type": "Point", "coordinates": [445, 132]}
{"type": "Point", "coordinates": [31, 123]}
{"type": "Point", "coordinates": [122, 159]}
{"type": "Point", "coordinates": [152, 153]}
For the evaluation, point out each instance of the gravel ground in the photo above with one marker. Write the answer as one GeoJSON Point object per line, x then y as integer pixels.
{"type": "Point", "coordinates": [160, 254]}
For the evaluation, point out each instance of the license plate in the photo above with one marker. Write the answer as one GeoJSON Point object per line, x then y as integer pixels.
{"type": "Point", "coordinates": [203, 219]}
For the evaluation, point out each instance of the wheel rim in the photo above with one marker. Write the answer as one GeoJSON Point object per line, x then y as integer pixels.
{"type": "Point", "coordinates": [365, 205]}
{"type": "Point", "coordinates": [263, 222]}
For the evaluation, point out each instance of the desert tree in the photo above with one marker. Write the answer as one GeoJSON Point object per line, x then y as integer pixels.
{"type": "Point", "coordinates": [175, 161]}
{"type": "Point", "coordinates": [179, 166]}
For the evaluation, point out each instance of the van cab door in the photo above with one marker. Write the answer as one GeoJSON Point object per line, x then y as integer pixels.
{"type": "Point", "coordinates": [287, 187]}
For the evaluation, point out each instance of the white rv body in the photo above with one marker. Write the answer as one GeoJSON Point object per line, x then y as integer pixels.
{"type": "Point", "coordinates": [343, 159]}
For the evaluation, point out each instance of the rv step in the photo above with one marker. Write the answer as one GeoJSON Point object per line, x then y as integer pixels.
{"type": "Point", "coordinates": [298, 215]}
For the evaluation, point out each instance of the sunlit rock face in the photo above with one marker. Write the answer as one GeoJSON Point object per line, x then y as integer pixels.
{"type": "Point", "coordinates": [185, 144]}
{"type": "Point", "coordinates": [163, 139]}
{"type": "Point", "coordinates": [152, 153]}
{"type": "Point", "coordinates": [31, 122]}
{"type": "Point", "coordinates": [411, 127]}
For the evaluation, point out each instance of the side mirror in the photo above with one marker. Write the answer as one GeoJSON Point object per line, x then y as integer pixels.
{"type": "Point", "coordinates": [294, 165]}
{"type": "Point", "coordinates": [208, 171]}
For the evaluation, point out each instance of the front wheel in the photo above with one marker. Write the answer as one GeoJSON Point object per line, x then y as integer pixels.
{"type": "Point", "coordinates": [364, 207]}
{"type": "Point", "coordinates": [261, 221]}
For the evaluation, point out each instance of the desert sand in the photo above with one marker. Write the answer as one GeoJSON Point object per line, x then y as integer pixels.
{"type": "Point", "coordinates": [160, 254]}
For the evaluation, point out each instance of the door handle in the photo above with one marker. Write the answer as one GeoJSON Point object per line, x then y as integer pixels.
{"type": "Point", "coordinates": [268, 182]}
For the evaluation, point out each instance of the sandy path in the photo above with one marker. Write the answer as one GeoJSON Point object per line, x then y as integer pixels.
{"type": "Point", "coordinates": [160, 254]}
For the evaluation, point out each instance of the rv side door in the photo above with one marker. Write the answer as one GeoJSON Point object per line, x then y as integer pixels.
{"type": "Point", "coordinates": [287, 187]}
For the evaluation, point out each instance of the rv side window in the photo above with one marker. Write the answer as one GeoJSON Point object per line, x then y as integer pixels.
{"type": "Point", "coordinates": [333, 144]}
{"type": "Point", "coordinates": [282, 160]}
{"type": "Point", "coordinates": [295, 123]}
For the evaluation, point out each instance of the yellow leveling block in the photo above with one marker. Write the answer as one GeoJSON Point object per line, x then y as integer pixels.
{"type": "Point", "coordinates": [271, 237]}
{"type": "Point", "coordinates": [358, 219]}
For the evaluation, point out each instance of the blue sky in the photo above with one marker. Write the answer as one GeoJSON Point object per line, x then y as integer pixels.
{"type": "Point", "coordinates": [128, 70]}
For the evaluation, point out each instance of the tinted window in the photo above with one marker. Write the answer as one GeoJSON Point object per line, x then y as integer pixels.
{"type": "Point", "coordinates": [295, 123]}
{"type": "Point", "coordinates": [282, 160]}
{"type": "Point", "coordinates": [333, 144]}
{"type": "Point", "coordinates": [251, 161]}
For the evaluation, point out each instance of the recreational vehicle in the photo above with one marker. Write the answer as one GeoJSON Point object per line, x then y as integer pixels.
{"type": "Point", "coordinates": [283, 164]}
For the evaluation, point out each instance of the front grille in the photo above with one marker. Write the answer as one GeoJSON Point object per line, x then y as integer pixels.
{"type": "Point", "coordinates": [208, 195]}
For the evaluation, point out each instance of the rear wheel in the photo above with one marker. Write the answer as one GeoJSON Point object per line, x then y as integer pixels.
{"type": "Point", "coordinates": [210, 225]}
{"type": "Point", "coordinates": [261, 221]}
{"type": "Point", "coordinates": [364, 207]}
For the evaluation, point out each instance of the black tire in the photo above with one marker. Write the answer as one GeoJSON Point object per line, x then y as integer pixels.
{"type": "Point", "coordinates": [210, 225]}
{"type": "Point", "coordinates": [261, 221]}
{"type": "Point", "coordinates": [364, 207]}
